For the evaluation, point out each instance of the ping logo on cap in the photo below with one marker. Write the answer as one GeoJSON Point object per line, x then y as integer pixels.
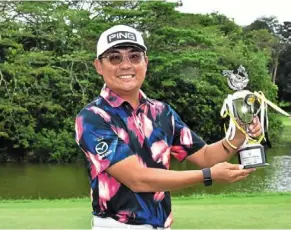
{"type": "Point", "coordinates": [121, 35]}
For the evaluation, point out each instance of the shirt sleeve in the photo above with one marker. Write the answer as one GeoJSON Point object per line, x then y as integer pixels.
{"type": "Point", "coordinates": [103, 143]}
{"type": "Point", "coordinates": [185, 141]}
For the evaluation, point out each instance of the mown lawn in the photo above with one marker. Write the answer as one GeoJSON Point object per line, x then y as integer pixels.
{"type": "Point", "coordinates": [268, 210]}
{"type": "Point", "coordinates": [234, 211]}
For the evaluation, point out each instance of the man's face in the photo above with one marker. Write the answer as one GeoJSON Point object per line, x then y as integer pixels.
{"type": "Point", "coordinates": [123, 69]}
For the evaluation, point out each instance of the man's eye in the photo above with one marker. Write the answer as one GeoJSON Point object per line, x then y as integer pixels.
{"type": "Point", "coordinates": [133, 55]}
{"type": "Point", "coordinates": [115, 57]}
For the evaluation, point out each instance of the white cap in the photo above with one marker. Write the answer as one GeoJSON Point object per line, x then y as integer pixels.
{"type": "Point", "coordinates": [117, 35]}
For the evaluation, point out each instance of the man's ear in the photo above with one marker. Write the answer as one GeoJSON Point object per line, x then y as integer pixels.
{"type": "Point", "coordinates": [146, 59]}
{"type": "Point", "coordinates": [98, 66]}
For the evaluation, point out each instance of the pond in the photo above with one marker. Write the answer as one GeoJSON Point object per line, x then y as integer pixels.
{"type": "Point", "coordinates": [25, 181]}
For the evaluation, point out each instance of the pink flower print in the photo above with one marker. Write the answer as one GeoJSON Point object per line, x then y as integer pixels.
{"type": "Point", "coordinates": [147, 125]}
{"type": "Point", "coordinates": [108, 186]}
{"type": "Point", "coordinates": [105, 93]}
{"type": "Point", "coordinates": [121, 133]}
{"type": "Point", "coordinates": [156, 109]}
{"type": "Point", "coordinates": [161, 152]}
{"type": "Point", "coordinates": [98, 164]}
{"type": "Point", "coordinates": [158, 196]}
{"type": "Point", "coordinates": [178, 152]}
{"type": "Point", "coordinates": [93, 171]}
{"type": "Point", "coordinates": [169, 221]}
{"type": "Point", "coordinates": [102, 204]}
{"type": "Point", "coordinates": [123, 216]}
{"type": "Point", "coordinates": [111, 97]}
{"type": "Point", "coordinates": [79, 128]}
{"type": "Point", "coordinates": [186, 137]}
{"type": "Point", "coordinates": [145, 108]}
{"type": "Point", "coordinates": [132, 126]}
{"type": "Point", "coordinates": [100, 112]}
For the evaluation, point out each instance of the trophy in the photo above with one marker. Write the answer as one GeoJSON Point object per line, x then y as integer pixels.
{"type": "Point", "coordinates": [241, 107]}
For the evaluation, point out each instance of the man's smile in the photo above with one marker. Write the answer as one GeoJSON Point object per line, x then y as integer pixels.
{"type": "Point", "coordinates": [126, 76]}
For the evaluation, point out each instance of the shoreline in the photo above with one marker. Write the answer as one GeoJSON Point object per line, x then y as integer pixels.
{"type": "Point", "coordinates": [174, 198]}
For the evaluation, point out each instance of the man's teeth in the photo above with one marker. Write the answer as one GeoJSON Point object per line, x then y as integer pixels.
{"type": "Point", "coordinates": [126, 76]}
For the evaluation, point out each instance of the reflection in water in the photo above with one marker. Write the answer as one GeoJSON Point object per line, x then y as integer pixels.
{"type": "Point", "coordinates": [280, 179]}
{"type": "Point", "coordinates": [275, 177]}
{"type": "Point", "coordinates": [33, 181]}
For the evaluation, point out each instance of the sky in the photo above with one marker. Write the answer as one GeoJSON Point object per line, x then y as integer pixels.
{"type": "Point", "coordinates": [244, 12]}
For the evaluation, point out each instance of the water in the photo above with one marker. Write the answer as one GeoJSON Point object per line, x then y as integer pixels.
{"type": "Point", "coordinates": [65, 181]}
{"type": "Point", "coordinates": [274, 178]}
{"type": "Point", "coordinates": [43, 181]}
{"type": "Point", "coordinates": [280, 180]}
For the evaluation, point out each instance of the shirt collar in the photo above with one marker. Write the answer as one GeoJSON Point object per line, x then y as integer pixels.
{"type": "Point", "coordinates": [115, 101]}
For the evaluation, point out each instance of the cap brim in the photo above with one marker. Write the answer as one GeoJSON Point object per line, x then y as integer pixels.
{"type": "Point", "coordinates": [126, 45]}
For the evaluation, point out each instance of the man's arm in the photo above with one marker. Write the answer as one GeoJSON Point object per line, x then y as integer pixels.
{"type": "Point", "coordinates": [141, 179]}
{"type": "Point", "coordinates": [222, 151]}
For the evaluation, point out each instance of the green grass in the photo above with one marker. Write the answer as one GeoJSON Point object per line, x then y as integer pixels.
{"type": "Point", "coordinates": [267, 210]}
{"type": "Point", "coordinates": [237, 211]}
{"type": "Point", "coordinates": [45, 214]}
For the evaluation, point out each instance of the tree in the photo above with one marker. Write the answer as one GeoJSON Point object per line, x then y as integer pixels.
{"type": "Point", "coordinates": [47, 74]}
{"type": "Point", "coordinates": [280, 45]}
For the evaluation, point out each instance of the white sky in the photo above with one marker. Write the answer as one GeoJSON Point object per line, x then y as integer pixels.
{"type": "Point", "coordinates": [244, 12]}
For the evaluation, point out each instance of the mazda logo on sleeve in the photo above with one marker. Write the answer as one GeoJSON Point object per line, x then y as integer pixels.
{"type": "Point", "coordinates": [102, 149]}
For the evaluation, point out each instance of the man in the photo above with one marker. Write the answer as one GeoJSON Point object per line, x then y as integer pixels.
{"type": "Point", "coordinates": [128, 139]}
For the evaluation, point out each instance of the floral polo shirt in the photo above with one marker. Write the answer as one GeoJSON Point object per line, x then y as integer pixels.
{"type": "Point", "coordinates": [109, 130]}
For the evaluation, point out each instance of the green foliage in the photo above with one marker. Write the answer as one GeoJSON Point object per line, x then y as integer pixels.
{"type": "Point", "coordinates": [53, 146]}
{"type": "Point", "coordinates": [47, 74]}
{"type": "Point", "coordinates": [274, 37]}
{"type": "Point", "coordinates": [284, 75]}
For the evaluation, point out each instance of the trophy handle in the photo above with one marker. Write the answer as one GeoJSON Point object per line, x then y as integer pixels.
{"type": "Point", "coordinates": [277, 108]}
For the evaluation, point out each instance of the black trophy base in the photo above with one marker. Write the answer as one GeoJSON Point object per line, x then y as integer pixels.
{"type": "Point", "coordinates": [252, 156]}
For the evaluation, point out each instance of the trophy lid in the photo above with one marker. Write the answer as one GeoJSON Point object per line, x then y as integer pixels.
{"type": "Point", "coordinates": [237, 79]}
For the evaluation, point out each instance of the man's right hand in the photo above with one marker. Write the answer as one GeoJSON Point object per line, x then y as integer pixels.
{"type": "Point", "coordinates": [229, 173]}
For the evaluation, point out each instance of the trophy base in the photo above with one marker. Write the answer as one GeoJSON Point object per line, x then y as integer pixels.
{"type": "Point", "coordinates": [252, 156]}
{"type": "Point", "coordinates": [255, 166]}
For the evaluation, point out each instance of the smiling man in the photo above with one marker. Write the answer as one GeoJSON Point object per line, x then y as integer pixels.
{"type": "Point", "coordinates": [128, 140]}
